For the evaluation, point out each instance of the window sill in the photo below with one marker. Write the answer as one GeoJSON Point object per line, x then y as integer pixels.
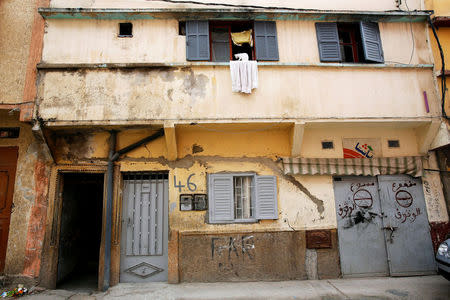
{"type": "Point", "coordinates": [243, 221]}
{"type": "Point", "coordinates": [226, 64]}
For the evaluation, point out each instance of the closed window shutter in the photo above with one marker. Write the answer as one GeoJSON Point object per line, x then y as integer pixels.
{"type": "Point", "coordinates": [220, 198]}
{"type": "Point", "coordinates": [371, 41]}
{"type": "Point", "coordinates": [328, 41]}
{"type": "Point", "coordinates": [266, 197]}
{"type": "Point", "coordinates": [197, 40]}
{"type": "Point", "coordinates": [266, 43]}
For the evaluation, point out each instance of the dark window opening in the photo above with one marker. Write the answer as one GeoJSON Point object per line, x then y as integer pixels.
{"type": "Point", "coordinates": [125, 29]}
{"type": "Point", "coordinates": [182, 28]}
{"type": "Point", "coordinates": [350, 42]}
{"type": "Point", "coordinates": [80, 233]}
{"type": "Point", "coordinates": [393, 143]}
{"type": "Point", "coordinates": [9, 132]}
{"type": "Point", "coordinates": [327, 145]}
{"type": "Point", "coordinates": [221, 43]}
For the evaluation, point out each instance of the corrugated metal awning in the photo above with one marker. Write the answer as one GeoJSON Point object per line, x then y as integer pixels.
{"type": "Point", "coordinates": [411, 165]}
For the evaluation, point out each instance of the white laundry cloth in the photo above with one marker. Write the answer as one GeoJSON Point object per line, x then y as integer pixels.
{"type": "Point", "coordinates": [244, 76]}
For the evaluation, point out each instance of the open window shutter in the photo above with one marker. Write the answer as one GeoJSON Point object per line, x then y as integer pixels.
{"type": "Point", "coordinates": [220, 198]}
{"type": "Point", "coordinates": [328, 40]}
{"type": "Point", "coordinates": [197, 40]}
{"type": "Point", "coordinates": [371, 41]}
{"type": "Point", "coordinates": [266, 43]}
{"type": "Point", "coordinates": [266, 197]}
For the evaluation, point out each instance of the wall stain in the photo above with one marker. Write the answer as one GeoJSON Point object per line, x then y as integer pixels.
{"type": "Point", "coordinates": [196, 149]}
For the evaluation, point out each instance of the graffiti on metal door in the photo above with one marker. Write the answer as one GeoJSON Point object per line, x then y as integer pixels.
{"type": "Point", "coordinates": [405, 211]}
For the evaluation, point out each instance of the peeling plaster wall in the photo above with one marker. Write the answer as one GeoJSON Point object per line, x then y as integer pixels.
{"type": "Point", "coordinates": [16, 20]}
{"type": "Point", "coordinates": [75, 41]}
{"type": "Point", "coordinates": [205, 93]}
{"type": "Point", "coordinates": [29, 201]}
{"type": "Point", "coordinates": [379, 5]}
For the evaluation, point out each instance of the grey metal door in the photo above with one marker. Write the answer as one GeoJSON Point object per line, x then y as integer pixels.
{"type": "Point", "coordinates": [144, 240]}
{"type": "Point", "coordinates": [406, 227]}
{"type": "Point", "coordinates": [361, 239]}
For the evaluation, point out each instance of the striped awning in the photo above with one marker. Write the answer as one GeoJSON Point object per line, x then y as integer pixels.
{"type": "Point", "coordinates": [411, 165]}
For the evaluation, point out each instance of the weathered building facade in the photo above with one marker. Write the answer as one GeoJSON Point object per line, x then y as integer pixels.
{"type": "Point", "coordinates": [24, 159]}
{"type": "Point", "coordinates": [162, 173]}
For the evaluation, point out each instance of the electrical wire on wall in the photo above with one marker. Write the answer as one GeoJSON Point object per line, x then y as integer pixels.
{"type": "Point", "coordinates": [223, 4]}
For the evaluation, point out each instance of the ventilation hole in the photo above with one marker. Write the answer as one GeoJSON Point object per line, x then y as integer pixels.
{"type": "Point", "coordinates": [327, 145]}
{"type": "Point", "coordinates": [125, 29]}
{"type": "Point", "coordinates": [393, 144]}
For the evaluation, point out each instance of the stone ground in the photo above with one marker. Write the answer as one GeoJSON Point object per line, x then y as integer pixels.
{"type": "Point", "coordinates": [420, 287]}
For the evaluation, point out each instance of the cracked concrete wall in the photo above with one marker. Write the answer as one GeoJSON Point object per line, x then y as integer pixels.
{"type": "Point", "coordinates": [204, 93]}
{"type": "Point", "coordinates": [29, 201]}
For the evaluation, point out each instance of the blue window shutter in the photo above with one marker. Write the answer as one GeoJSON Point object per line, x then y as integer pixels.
{"type": "Point", "coordinates": [197, 40]}
{"type": "Point", "coordinates": [220, 198]}
{"type": "Point", "coordinates": [266, 197]}
{"type": "Point", "coordinates": [328, 41]}
{"type": "Point", "coordinates": [266, 43]}
{"type": "Point", "coordinates": [371, 41]}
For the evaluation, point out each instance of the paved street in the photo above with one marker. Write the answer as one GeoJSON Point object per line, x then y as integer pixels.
{"type": "Point", "coordinates": [421, 287]}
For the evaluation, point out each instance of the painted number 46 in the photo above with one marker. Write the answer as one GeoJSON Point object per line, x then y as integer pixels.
{"type": "Point", "coordinates": [190, 185]}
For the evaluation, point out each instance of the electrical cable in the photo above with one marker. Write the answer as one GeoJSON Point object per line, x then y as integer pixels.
{"type": "Point", "coordinates": [443, 80]}
{"type": "Point", "coordinates": [412, 33]}
{"type": "Point", "coordinates": [223, 4]}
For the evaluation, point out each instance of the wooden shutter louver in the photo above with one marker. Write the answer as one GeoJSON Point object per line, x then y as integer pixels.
{"type": "Point", "coordinates": [266, 43]}
{"type": "Point", "coordinates": [371, 42]}
{"type": "Point", "coordinates": [266, 197]}
{"type": "Point", "coordinates": [197, 40]}
{"type": "Point", "coordinates": [328, 41]}
{"type": "Point", "coordinates": [220, 198]}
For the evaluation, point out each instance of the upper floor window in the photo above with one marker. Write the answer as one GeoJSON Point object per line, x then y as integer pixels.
{"type": "Point", "coordinates": [219, 41]}
{"type": "Point", "coordinates": [349, 42]}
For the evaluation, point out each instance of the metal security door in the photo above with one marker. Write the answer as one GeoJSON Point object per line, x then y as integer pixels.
{"type": "Point", "coordinates": [406, 227]}
{"type": "Point", "coordinates": [361, 239]}
{"type": "Point", "coordinates": [144, 241]}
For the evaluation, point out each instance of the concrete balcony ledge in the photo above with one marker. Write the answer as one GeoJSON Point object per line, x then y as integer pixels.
{"type": "Point", "coordinates": [45, 65]}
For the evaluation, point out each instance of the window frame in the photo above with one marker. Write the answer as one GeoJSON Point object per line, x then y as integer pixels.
{"type": "Point", "coordinates": [228, 25]}
{"type": "Point", "coordinates": [263, 186]}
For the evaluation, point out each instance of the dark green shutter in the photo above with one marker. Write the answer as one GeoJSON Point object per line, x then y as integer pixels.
{"type": "Point", "coordinates": [371, 42]}
{"type": "Point", "coordinates": [197, 40]}
{"type": "Point", "coordinates": [266, 43]}
{"type": "Point", "coordinates": [328, 41]}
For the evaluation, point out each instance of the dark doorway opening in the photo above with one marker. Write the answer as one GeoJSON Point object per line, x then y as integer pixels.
{"type": "Point", "coordinates": [80, 231]}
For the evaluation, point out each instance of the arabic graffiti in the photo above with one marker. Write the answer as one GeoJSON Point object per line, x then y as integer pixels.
{"type": "Point", "coordinates": [358, 185]}
{"type": "Point", "coordinates": [408, 184]}
{"type": "Point", "coordinates": [407, 215]}
{"type": "Point", "coordinates": [346, 210]}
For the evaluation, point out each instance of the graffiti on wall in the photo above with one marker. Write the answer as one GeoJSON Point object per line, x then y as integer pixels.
{"type": "Point", "coordinates": [358, 206]}
{"type": "Point", "coordinates": [226, 247]}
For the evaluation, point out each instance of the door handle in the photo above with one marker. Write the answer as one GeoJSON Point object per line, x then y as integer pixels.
{"type": "Point", "coordinates": [391, 228]}
{"type": "Point", "coordinates": [390, 239]}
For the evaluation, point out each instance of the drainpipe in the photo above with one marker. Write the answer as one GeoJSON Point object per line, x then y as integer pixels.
{"type": "Point", "coordinates": [109, 200]}
{"type": "Point", "coordinates": [112, 157]}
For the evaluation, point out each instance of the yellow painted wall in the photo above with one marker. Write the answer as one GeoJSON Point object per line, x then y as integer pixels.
{"type": "Point", "coordinates": [379, 5]}
{"type": "Point", "coordinates": [440, 7]}
{"type": "Point", "coordinates": [75, 41]}
{"type": "Point", "coordinates": [16, 19]}
{"type": "Point", "coordinates": [312, 146]}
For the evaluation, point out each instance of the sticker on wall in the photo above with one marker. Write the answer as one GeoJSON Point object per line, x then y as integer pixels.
{"type": "Point", "coordinates": [361, 148]}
